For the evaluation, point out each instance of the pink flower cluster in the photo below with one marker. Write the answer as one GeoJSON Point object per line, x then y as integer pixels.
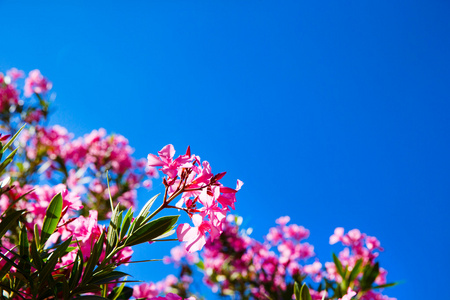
{"type": "Point", "coordinates": [86, 231]}
{"type": "Point", "coordinates": [179, 256]}
{"type": "Point", "coordinates": [37, 202]}
{"type": "Point", "coordinates": [166, 286]}
{"type": "Point", "coordinates": [350, 294]}
{"type": "Point", "coordinates": [187, 176]}
{"type": "Point", "coordinates": [36, 83]}
{"type": "Point", "coordinates": [172, 297]}
{"type": "Point", "coordinates": [52, 141]}
{"type": "Point", "coordinates": [236, 255]}
{"type": "Point", "coordinates": [84, 161]}
{"type": "Point", "coordinates": [236, 264]}
{"type": "Point", "coordinates": [359, 246]}
{"type": "Point", "coordinates": [8, 93]}
{"type": "Point", "coordinates": [97, 152]}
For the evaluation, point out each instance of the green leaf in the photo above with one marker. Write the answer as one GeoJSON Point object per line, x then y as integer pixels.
{"type": "Point", "coordinates": [65, 289]}
{"type": "Point", "coordinates": [339, 267]}
{"type": "Point", "coordinates": [151, 230]}
{"type": "Point", "coordinates": [107, 278]}
{"type": "Point", "coordinates": [144, 212]}
{"type": "Point", "coordinates": [77, 269]}
{"type": "Point", "coordinates": [9, 289]}
{"type": "Point", "coordinates": [369, 276]}
{"type": "Point", "coordinates": [305, 292]}
{"type": "Point", "coordinates": [126, 223]}
{"type": "Point", "coordinates": [113, 231]}
{"type": "Point", "coordinates": [45, 275]}
{"type": "Point", "coordinates": [90, 288]}
{"type": "Point", "coordinates": [24, 251]}
{"type": "Point", "coordinates": [200, 265]}
{"type": "Point", "coordinates": [9, 143]}
{"type": "Point", "coordinates": [37, 260]}
{"type": "Point", "coordinates": [36, 236]}
{"type": "Point", "coordinates": [94, 258]}
{"type": "Point", "coordinates": [355, 271]}
{"type": "Point", "coordinates": [9, 221]}
{"type": "Point", "coordinates": [11, 261]}
{"type": "Point", "coordinates": [5, 269]}
{"type": "Point", "coordinates": [8, 160]}
{"type": "Point", "coordinates": [382, 286]}
{"type": "Point", "coordinates": [11, 204]}
{"type": "Point", "coordinates": [51, 218]}
{"type": "Point", "coordinates": [297, 291]}
{"type": "Point", "coordinates": [121, 292]}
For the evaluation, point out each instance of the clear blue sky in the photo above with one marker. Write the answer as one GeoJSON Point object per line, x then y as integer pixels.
{"type": "Point", "coordinates": [333, 112]}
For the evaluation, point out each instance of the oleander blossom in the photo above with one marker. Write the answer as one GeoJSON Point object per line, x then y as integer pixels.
{"type": "Point", "coordinates": [350, 294]}
{"type": "Point", "coordinates": [359, 246]}
{"type": "Point", "coordinates": [236, 262]}
{"type": "Point", "coordinates": [36, 83]}
{"type": "Point", "coordinates": [84, 162]}
{"type": "Point", "coordinates": [9, 95]}
{"type": "Point", "coordinates": [171, 296]}
{"type": "Point", "coordinates": [203, 197]}
{"type": "Point", "coordinates": [167, 286]}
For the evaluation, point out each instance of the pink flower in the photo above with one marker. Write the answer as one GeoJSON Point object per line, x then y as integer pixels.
{"type": "Point", "coordinates": [36, 83]}
{"type": "Point", "coordinates": [337, 236]}
{"type": "Point", "coordinates": [170, 296]}
{"type": "Point", "coordinates": [373, 243]}
{"type": "Point", "coordinates": [15, 74]}
{"type": "Point", "coordinates": [170, 167]}
{"type": "Point", "coordinates": [195, 237]}
{"type": "Point", "coordinates": [283, 220]}
{"type": "Point", "coordinates": [350, 294]}
{"type": "Point", "coordinates": [178, 254]}
{"type": "Point", "coordinates": [314, 270]}
{"type": "Point", "coordinates": [145, 291]}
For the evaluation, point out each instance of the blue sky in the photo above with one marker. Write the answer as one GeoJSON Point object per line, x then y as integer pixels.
{"type": "Point", "coordinates": [332, 112]}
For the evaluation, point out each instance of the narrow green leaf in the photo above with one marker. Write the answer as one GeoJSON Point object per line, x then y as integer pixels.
{"type": "Point", "coordinates": [11, 261]}
{"type": "Point", "coordinates": [125, 294]}
{"type": "Point", "coordinates": [5, 269]}
{"type": "Point", "coordinates": [126, 223]}
{"type": "Point", "coordinates": [51, 218]}
{"type": "Point", "coordinates": [369, 276]}
{"type": "Point", "coordinates": [9, 143]}
{"type": "Point", "coordinates": [109, 191]}
{"type": "Point", "coordinates": [24, 251]}
{"type": "Point", "coordinates": [338, 264]}
{"type": "Point", "coordinates": [107, 278]}
{"type": "Point", "coordinates": [90, 288]}
{"type": "Point", "coordinates": [355, 271]}
{"type": "Point", "coordinates": [9, 221]}
{"type": "Point", "coordinates": [9, 289]}
{"type": "Point", "coordinates": [200, 265]}
{"type": "Point", "coordinates": [144, 212]}
{"type": "Point", "coordinates": [297, 291]}
{"type": "Point", "coordinates": [117, 291]}
{"type": "Point", "coordinates": [94, 258]}
{"type": "Point", "coordinates": [66, 289]}
{"type": "Point", "coordinates": [36, 236]}
{"type": "Point", "coordinates": [37, 260]}
{"type": "Point", "coordinates": [382, 286]}
{"type": "Point", "coordinates": [46, 273]}
{"type": "Point", "coordinates": [151, 230]}
{"type": "Point", "coordinates": [305, 292]}
{"type": "Point", "coordinates": [11, 205]}
{"type": "Point", "coordinates": [77, 268]}
{"type": "Point", "coordinates": [113, 230]}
